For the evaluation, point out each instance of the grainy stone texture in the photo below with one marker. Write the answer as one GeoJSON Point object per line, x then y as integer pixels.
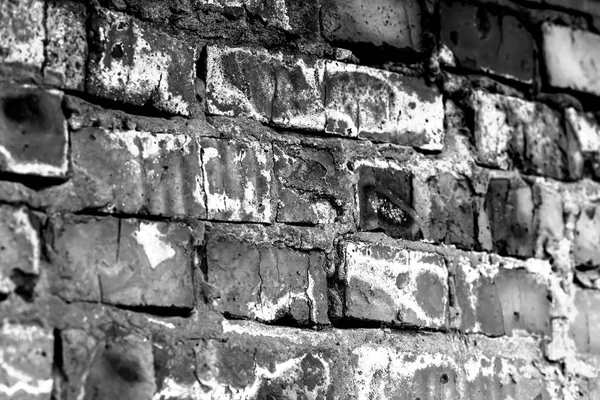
{"type": "Point", "coordinates": [22, 33]}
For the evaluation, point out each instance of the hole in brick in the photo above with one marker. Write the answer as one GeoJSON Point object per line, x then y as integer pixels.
{"type": "Point", "coordinates": [117, 51]}
{"type": "Point", "coordinates": [444, 379]}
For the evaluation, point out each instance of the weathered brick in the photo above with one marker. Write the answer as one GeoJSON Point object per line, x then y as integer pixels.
{"type": "Point", "coordinates": [237, 180]}
{"type": "Point", "coordinates": [509, 207]}
{"type": "Point", "coordinates": [510, 132]}
{"type": "Point", "coordinates": [33, 132]}
{"type": "Point", "coordinates": [381, 23]}
{"type": "Point", "coordinates": [122, 366]}
{"type": "Point", "coordinates": [385, 201]}
{"type": "Point", "coordinates": [133, 63]}
{"type": "Point", "coordinates": [587, 237]}
{"type": "Point", "coordinates": [496, 296]}
{"type": "Point", "coordinates": [586, 129]}
{"type": "Point", "coordinates": [137, 173]}
{"type": "Point", "coordinates": [125, 262]}
{"type": "Point", "coordinates": [394, 286]}
{"type": "Point", "coordinates": [267, 283]}
{"type": "Point", "coordinates": [488, 39]}
{"type": "Point", "coordinates": [585, 326]}
{"type": "Point", "coordinates": [268, 87]}
{"type": "Point", "coordinates": [22, 33]}
{"type": "Point", "coordinates": [571, 56]}
{"type": "Point", "coordinates": [20, 248]}
{"type": "Point", "coordinates": [313, 188]}
{"type": "Point", "coordinates": [174, 367]}
{"type": "Point", "coordinates": [26, 357]}
{"type": "Point", "coordinates": [273, 12]}
{"type": "Point", "coordinates": [382, 106]}
{"type": "Point", "coordinates": [66, 50]}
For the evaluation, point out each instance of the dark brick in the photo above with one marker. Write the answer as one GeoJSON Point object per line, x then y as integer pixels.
{"type": "Point", "coordinates": [385, 202]}
{"type": "Point", "coordinates": [488, 39]}
{"type": "Point", "coordinates": [33, 132]}
{"type": "Point", "coordinates": [268, 284]}
{"type": "Point", "coordinates": [510, 211]}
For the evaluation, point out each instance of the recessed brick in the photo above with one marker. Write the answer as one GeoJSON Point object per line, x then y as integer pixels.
{"type": "Point", "coordinates": [509, 208]}
{"type": "Point", "coordinates": [22, 33]}
{"type": "Point", "coordinates": [33, 132]}
{"type": "Point", "coordinates": [66, 50]}
{"type": "Point", "coordinates": [497, 296]}
{"type": "Point", "coordinates": [132, 62]}
{"type": "Point", "coordinates": [382, 106]}
{"type": "Point", "coordinates": [513, 133]}
{"type": "Point", "coordinates": [20, 248]}
{"type": "Point", "coordinates": [124, 262]}
{"type": "Point", "coordinates": [385, 201]}
{"type": "Point", "coordinates": [26, 361]}
{"type": "Point", "coordinates": [488, 39]}
{"type": "Point", "coordinates": [571, 56]}
{"type": "Point", "coordinates": [383, 22]}
{"type": "Point", "coordinates": [237, 180]}
{"type": "Point", "coordinates": [268, 284]}
{"type": "Point", "coordinates": [394, 286]}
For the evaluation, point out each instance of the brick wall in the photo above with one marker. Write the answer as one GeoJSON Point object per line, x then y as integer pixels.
{"type": "Point", "coordinates": [319, 199]}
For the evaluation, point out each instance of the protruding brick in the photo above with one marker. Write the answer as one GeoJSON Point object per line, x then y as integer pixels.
{"type": "Point", "coordinates": [138, 173]}
{"type": "Point", "coordinates": [66, 50]}
{"type": "Point", "coordinates": [267, 283]}
{"type": "Point", "coordinates": [510, 132]}
{"type": "Point", "coordinates": [22, 33]}
{"type": "Point", "coordinates": [237, 180]}
{"type": "Point", "coordinates": [394, 286]}
{"type": "Point", "coordinates": [585, 327]}
{"type": "Point", "coordinates": [488, 39]}
{"type": "Point", "coordinates": [571, 57]}
{"type": "Point", "coordinates": [20, 248]}
{"type": "Point", "coordinates": [33, 132]}
{"type": "Point", "coordinates": [133, 63]}
{"type": "Point", "coordinates": [313, 188]}
{"type": "Point", "coordinates": [586, 128]}
{"type": "Point", "coordinates": [268, 87]}
{"type": "Point", "coordinates": [382, 22]}
{"type": "Point", "coordinates": [382, 106]}
{"type": "Point", "coordinates": [124, 262]}
{"type": "Point", "coordinates": [497, 296]}
{"type": "Point", "coordinates": [509, 208]}
{"type": "Point", "coordinates": [26, 361]}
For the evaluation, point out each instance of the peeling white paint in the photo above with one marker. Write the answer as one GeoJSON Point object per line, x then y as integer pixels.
{"type": "Point", "coordinates": [161, 323]}
{"type": "Point", "coordinates": [152, 241]}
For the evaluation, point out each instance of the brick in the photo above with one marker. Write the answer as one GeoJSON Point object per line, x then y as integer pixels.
{"type": "Point", "coordinates": [25, 361]}
{"type": "Point", "coordinates": [385, 201]}
{"type": "Point", "coordinates": [586, 249]}
{"type": "Point", "coordinates": [513, 133]}
{"type": "Point", "coordinates": [124, 262]}
{"type": "Point", "coordinates": [237, 180]}
{"type": "Point", "coordinates": [268, 284]}
{"type": "Point", "coordinates": [585, 325]}
{"type": "Point", "coordinates": [570, 56]}
{"type": "Point", "coordinates": [382, 106]}
{"type": "Point", "coordinates": [380, 23]}
{"type": "Point", "coordinates": [498, 296]}
{"type": "Point", "coordinates": [394, 286]}
{"type": "Point", "coordinates": [66, 50]}
{"type": "Point", "coordinates": [509, 208]}
{"type": "Point", "coordinates": [20, 248]}
{"type": "Point", "coordinates": [137, 173]}
{"type": "Point", "coordinates": [33, 132]}
{"type": "Point", "coordinates": [174, 368]}
{"type": "Point", "coordinates": [77, 350]}
{"type": "Point", "coordinates": [268, 87]}
{"type": "Point", "coordinates": [22, 33]}
{"type": "Point", "coordinates": [313, 188]}
{"type": "Point", "coordinates": [453, 211]}
{"type": "Point", "coordinates": [133, 63]}
{"type": "Point", "coordinates": [121, 367]}
{"type": "Point", "coordinates": [586, 129]}
{"type": "Point", "coordinates": [273, 12]}
{"type": "Point", "coordinates": [488, 39]}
